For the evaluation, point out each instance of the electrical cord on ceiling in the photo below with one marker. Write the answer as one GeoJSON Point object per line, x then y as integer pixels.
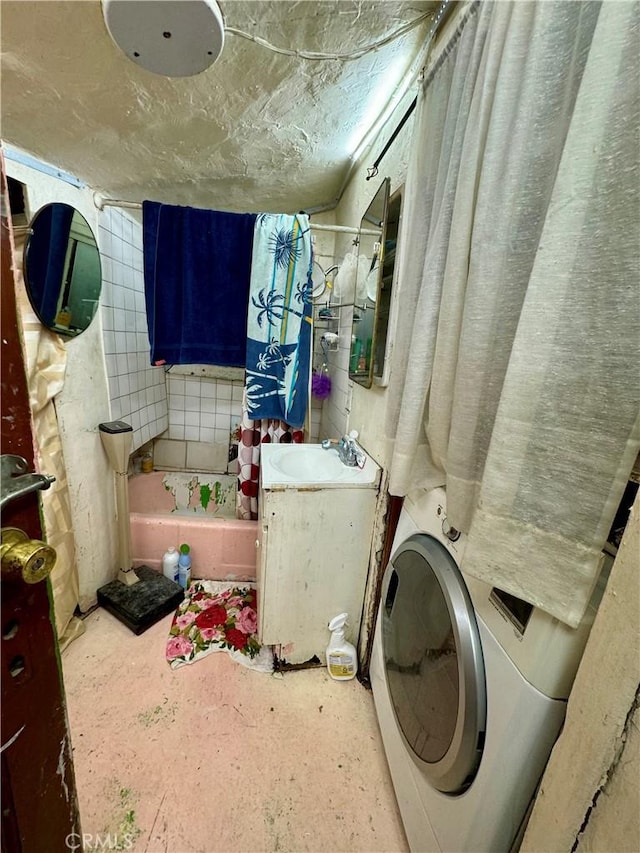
{"type": "Point", "coordinates": [372, 171]}
{"type": "Point", "coordinates": [443, 11]}
{"type": "Point", "coordinates": [355, 54]}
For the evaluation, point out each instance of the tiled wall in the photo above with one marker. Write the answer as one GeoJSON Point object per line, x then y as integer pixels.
{"type": "Point", "coordinates": [324, 424]}
{"type": "Point", "coordinates": [336, 408]}
{"type": "Point", "coordinates": [316, 417]}
{"type": "Point", "coordinates": [204, 416]}
{"type": "Point", "coordinates": [137, 391]}
{"type": "Point", "coordinates": [193, 416]}
{"type": "Point", "coordinates": [203, 409]}
{"type": "Point", "coordinates": [335, 412]}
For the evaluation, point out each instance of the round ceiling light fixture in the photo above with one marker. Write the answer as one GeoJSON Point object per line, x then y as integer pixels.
{"type": "Point", "coordinates": [175, 38]}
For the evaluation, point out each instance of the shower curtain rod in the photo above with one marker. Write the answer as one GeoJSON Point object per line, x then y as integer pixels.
{"type": "Point", "coordinates": [101, 203]}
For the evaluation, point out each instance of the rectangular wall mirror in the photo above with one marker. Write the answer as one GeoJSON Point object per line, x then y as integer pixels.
{"type": "Point", "coordinates": [371, 241]}
{"type": "Point", "coordinates": [383, 302]}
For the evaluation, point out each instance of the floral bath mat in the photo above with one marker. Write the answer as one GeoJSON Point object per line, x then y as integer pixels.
{"type": "Point", "coordinates": [213, 617]}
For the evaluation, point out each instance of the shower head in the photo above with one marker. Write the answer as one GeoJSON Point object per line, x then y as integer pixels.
{"type": "Point", "coordinates": [174, 38]}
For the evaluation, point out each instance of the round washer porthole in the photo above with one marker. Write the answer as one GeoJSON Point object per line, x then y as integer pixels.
{"type": "Point", "coordinates": [433, 662]}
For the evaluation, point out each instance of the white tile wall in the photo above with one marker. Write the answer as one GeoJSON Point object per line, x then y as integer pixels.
{"type": "Point", "coordinates": [205, 410]}
{"type": "Point", "coordinates": [136, 389]}
{"type": "Point", "coordinates": [316, 418]}
{"type": "Point", "coordinates": [152, 400]}
{"type": "Point", "coordinates": [330, 249]}
{"type": "Point", "coordinates": [335, 411]}
{"type": "Point", "coordinates": [171, 454]}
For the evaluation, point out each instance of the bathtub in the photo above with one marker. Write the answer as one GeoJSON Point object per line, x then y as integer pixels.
{"type": "Point", "coordinates": [169, 508]}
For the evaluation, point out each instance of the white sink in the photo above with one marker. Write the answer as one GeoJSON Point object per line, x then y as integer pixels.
{"type": "Point", "coordinates": [309, 464]}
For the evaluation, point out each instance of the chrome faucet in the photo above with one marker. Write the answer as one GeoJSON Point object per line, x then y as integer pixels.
{"type": "Point", "coordinates": [348, 449]}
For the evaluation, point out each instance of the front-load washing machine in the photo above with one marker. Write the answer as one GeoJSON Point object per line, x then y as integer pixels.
{"type": "Point", "coordinates": [470, 686]}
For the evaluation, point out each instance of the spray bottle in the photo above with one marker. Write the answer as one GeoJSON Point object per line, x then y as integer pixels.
{"type": "Point", "coordinates": [342, 661]}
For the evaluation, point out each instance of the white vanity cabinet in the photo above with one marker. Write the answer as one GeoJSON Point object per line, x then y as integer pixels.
{"type": "Point", "coordinates": [314, 544]}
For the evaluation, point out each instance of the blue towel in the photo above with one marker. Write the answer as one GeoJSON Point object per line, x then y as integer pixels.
{"type": "Point", "coordinates": [279, 320]}
{"type": "Point", "coordinates": [197, 268]}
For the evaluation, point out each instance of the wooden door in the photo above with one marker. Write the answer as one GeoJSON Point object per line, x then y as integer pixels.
{"type": "Point", "coordinates": [39, 802]}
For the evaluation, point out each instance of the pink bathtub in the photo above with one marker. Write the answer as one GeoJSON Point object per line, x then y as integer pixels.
{"type": "Point", "coordinates": [169, 508]}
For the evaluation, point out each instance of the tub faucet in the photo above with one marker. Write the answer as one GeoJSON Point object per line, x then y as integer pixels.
{"type": "Point", "coordinates": [348, 449]}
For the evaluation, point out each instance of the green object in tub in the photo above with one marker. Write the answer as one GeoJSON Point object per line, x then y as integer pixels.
{"type": "Point", "coordinates": [205, 495]}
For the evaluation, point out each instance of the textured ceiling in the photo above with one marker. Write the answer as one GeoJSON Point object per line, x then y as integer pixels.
{"type": "Point", "coordinates": [255, 131]}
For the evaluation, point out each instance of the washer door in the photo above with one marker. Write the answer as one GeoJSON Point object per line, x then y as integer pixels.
{"type": "Point", "coordinates": [433, 662]}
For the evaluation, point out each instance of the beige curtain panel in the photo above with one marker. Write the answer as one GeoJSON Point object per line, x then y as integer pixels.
{"type": "Point", "coordinates": [520, 333]}
{"type": "Point", "coordinates": [46, 361]}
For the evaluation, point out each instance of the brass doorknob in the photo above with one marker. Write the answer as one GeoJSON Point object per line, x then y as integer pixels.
{"type": "Point", "coordinates": [23, 557]}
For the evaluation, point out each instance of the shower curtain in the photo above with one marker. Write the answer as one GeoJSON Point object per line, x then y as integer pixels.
{"type": "Point", "coordinates": [516, 352]}
{"type": "Point", "coordinates": [279, 337]}
{"type": "Point", "coordinates": [253, 434]}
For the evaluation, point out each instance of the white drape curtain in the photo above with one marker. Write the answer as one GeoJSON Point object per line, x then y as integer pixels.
{"type": "Point", "coordinates": [45, 362]}
{"type": "Point", "coordinates": [515, 366]}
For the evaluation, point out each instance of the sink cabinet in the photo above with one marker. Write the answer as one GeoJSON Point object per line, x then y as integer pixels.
{"type": "Point", "coordinates": [314, 545]}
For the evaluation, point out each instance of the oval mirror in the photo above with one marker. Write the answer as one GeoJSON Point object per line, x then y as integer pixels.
{"type": "Point", "coordinates": [370, 257]}
{"type": "Point", "coordinates": [62, 269]}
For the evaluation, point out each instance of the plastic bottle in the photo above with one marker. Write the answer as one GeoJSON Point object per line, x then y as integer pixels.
{"type": "Point", "coordinates": [184, 567]}
{"type": "Point", "coordinates": [170, 564]}
{"type": "Point", "coordinates": [64, 318]}
{"type": "Point", "coordinates": [342, 660]}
